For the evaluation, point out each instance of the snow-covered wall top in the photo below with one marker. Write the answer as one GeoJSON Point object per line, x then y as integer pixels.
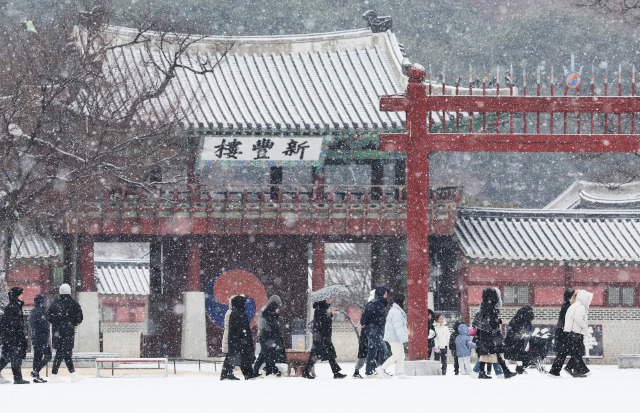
{"type": "Point", "coordinates": [515, 235]}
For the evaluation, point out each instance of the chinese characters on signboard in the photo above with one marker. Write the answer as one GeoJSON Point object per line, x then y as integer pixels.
{"type": "Point", "coordinates": [262, 150]}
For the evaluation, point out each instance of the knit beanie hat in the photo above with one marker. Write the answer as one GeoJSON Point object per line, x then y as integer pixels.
{"type": "Point", "coordinates": [65, 289]}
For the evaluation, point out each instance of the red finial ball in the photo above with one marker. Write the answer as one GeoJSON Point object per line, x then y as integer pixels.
{"type": "Point", "coordinates": [416, 73]}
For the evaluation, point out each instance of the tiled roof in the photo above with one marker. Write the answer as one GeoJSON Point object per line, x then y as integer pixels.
{"type": "Point", "coordinates": [33, 242]}
{"type": "Point", "coordinates": [315, 83]}
{"type": "Point", "coordinates": [549, 235]}
{"type": "Point", "coordinates": [125, 277]}
{"type": "Point", "coordinates": [595, 195]}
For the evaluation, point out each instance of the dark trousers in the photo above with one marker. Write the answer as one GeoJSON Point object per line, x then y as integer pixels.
{"type": "Point", "coordinates": [442, 356]}
{"type": "Point", "coordinates": [456, 365]}
{"type": "Point", "coordinates": [270, 367]}
{"type": "Point", "coordinates": [245, 362]}
{"type": "Point", "coordinates": [13, 356]}
{"type": "Point", "coordinates": [313, 357]}
{"type": "Point", "coordinates": [573, 347]}
{"type": "Point", "coordinates": [65, 354]}
{"type": "Point", "coordinates": [376, 352]}
{"type": "Point", "coordinates": [41, 356]}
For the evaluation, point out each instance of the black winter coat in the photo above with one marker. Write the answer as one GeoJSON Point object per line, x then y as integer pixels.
{"type": "Point", "coordinates": [322, 331]}
{"type": "Point", "coordinates": [488, 322]}
{"type": "Point", "coordinates": [560, 337]}
{"type": "Point", "coordinates": [12, 325]}
{"type": "Point", "coordinates": [38, 320]}
{"type": "Point", "coordinates": [240, 340]}
{"type": "Point", "coordinates": [270, 337]}
{"type": "Point", "coordinates": [518, 334]}
{"type": "Point", "coordinates": [374, 316]}
{"type": "Point", "coordinates": [65, 314]}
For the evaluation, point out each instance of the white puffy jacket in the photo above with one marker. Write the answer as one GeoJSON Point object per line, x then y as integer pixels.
{"type": "Point", "coordinates": [442, 334]}
{"type": "Point", "coordinates": [576, 318]}
{"type": "Point", "coordinates": [395, 328]}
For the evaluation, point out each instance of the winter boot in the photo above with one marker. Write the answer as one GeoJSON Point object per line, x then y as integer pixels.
{"type": "Point", "coordinates": [483, 375]}
{"type": "Point", "coordinates": [356, 375]}
{"type": "Point", "coordinates": [39, 380]}
{"type": "Point", "coordinates": [339, 376]}
{"type": "Point", "coordinates": [20, 381]}
{"type": "Point", "coordinates": [307, 375]}
{"type": "Point", "coordinates": [508, 374]}
{"type": "Point", "coordinates": [228, 377]}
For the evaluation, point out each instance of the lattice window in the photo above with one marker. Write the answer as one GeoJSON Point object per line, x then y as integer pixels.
{"type": "Point", "coordinates": [516, 295]}
{"type": "Point", "coordinates": [621, 296]}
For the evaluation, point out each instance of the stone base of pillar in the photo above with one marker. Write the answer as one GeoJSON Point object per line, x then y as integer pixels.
{"type": "Point", "coordinates": [88, 332]}
{"type": "Point", "coordinates": [194, 332]}
{"type": "Point", "coordinates": [422, 368]}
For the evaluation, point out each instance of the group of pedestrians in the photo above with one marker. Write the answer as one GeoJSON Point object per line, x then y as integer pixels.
{"type": "Point", "coordinates": [64, 315]}
{"type": "Point", "coordinates": [518, 345]}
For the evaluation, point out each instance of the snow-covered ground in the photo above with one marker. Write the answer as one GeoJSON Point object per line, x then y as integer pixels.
{"type": "Point", "coordinates": [606, 390]}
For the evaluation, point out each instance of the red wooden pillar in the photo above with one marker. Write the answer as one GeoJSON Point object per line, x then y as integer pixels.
{"type": "Point", "coordinates": [193, 266]}
{"type": "Point", "coordinates": [46, 275]}
{"type": "Point", "coordinates": [414, 143]}
{"type": "Point", "coordinates": [317, 270]}
{"type": "Point", "coordinates": [87, 277]}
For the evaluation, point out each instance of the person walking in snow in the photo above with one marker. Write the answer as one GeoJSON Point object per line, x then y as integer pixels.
{"type": "Point", "coordinates": [240, 342]}
{"type": "Point", "coordinates": [64, 314]}
{"type": "Point", "coordinates": [227, 364]}
{"type": "Point", "coordinates": [396, 334]}
{"type": "Point", "coordinates": [452, 347]}
{"type": "Point", "coordinates": [14, 341]}
{"type": "Point", "coordinates": [441, 341]}
{"type": "Point", "coordinates": [576, 326]}
{"type": "Point", "coordinates": [373, 320]}
{"type": "Point", "coordinates": [463, 348]}
{"type": "Point", "coordinates": [561, 339]}
{"type": "Point", "coordinates": [518, 336]}
{"type": "Point", "coordinates": [39, 337]}
{"type": "Point", "coordinates": [489, 337]}
{"type": "Point", "coordinates": [270, 338]}
{"type": "Point", "coordinates": [322, 347]}
{"type": "Point", "coordinates": [363, 344]}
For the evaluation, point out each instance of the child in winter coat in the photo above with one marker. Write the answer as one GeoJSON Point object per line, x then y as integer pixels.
{"type": "Point", "coordinates": [463, 349]}
{"type": "Point", "coordinates": [441, 341]}
{"type": "Point", "coordinates": [452, 347]}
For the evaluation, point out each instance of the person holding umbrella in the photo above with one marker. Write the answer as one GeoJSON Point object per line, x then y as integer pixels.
{"type": "Point", "coordinates": [322, 347]}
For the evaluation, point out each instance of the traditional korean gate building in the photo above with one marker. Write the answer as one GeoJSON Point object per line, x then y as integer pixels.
{"type": "Point", "coordinates": [233, 228]}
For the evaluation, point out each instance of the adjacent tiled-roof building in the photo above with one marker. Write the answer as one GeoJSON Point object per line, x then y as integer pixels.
{"type": "Point", "coordinates": [511, 235]}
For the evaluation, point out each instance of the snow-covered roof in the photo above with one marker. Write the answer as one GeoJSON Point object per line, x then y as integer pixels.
{"type": "Point", "coordinates": [125, 277]}
{"type": "Point", "coordinates": [309, 83]}
{"type": "Point", "coordinates": [549, 235]}
{"type": "Point", "coordinates": [594, 195]}
{"type": "Point", "coordinates": [33, 242]}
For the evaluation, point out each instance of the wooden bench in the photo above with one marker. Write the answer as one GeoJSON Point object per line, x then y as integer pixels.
{"type": "Point", "coordinates": [296, 361]}
{"type": "Point", "coordinates": [119, 361]}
